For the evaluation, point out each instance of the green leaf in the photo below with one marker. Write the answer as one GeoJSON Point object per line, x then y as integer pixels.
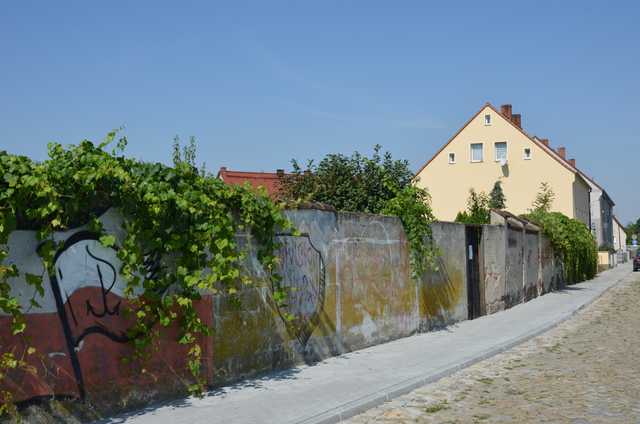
{"type": "Point", "coordinates": [108, 240]}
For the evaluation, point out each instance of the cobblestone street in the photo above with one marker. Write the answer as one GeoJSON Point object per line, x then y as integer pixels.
{"type": "Point", "coordinates": [586, 370]}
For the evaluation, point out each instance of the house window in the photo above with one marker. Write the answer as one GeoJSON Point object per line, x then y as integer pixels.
{"type": "Point", "coordinates": [501, 151]}
{"type": "Point", "coordinates": [476, 152]}
{"type": "Point", "coordinates": [452, 158]}
{"type": "Point", "coordinates": [487, 119]}
{"type": "Point", "coordinates": [527, 153]}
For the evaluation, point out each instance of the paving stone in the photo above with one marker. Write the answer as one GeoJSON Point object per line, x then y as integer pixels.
{"type": "Point", "coordinates": [586, 370]}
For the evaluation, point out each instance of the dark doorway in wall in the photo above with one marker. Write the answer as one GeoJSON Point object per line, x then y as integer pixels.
{"type": "Point", "coordinates": [474, 301]}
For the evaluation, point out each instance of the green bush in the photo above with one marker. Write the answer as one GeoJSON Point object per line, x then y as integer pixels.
{"type": "Point", "coordinates": [572, 241]}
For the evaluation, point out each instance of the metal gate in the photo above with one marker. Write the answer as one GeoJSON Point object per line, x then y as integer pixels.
{"type": "Point", "coordinates": [473, 237]}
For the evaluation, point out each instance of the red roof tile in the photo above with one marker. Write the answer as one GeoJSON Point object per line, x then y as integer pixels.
{"type": "Point", "coordinates": [269, 180]}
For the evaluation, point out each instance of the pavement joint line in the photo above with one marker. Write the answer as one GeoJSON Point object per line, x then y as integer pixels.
{"type": "Point", "coordinates": [363, 404]}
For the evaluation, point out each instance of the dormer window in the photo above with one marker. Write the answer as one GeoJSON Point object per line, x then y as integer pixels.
{"type": "Point", "coordinates": [487, 119]}
{"type": "Point", "coordinates": [452, 158]}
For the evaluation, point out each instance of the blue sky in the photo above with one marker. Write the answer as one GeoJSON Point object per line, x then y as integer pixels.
{"type": "Point", "coordinates": [259, 83]}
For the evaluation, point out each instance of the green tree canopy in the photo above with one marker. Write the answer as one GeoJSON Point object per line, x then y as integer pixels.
{"type": "Point", "coordinates": [544, 199]}
{"type": "Point", "coordinates": [353, 183]}
{"type": "Point", "coordinates": [497, 199]}
{"type": "Point", "coordinates": [631, 229]}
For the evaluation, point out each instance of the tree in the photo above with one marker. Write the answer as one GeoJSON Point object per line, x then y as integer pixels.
{"type": "Point", "coordinates": [186, 155]}
{"type": "Point", "coordinates": [497, 200]}
{"type": "Point", "coordinates": [477, 209]}
{"type": "Point", "coordinates": [355, 184]}
{"type": "Point", "coordinates": [631, 229]}
{"type": "Point", "coordinates": [544, 199]}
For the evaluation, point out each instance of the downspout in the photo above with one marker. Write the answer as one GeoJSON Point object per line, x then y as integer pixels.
{"type": "Point", "coordinates": [589, 208]}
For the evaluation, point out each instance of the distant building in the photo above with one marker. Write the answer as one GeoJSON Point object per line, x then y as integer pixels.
{"type": "Point", "coordinates": [602, 225]}
{"type": "Point", "coordinates": [269, 180]}
{"type": "Point", "coordinates": [619, 236]}
{"type": "Point", "coordinates": [492, 146]}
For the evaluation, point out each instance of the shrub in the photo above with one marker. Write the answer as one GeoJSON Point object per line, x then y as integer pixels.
{"type": "Point", "coordinates": [572, 241]}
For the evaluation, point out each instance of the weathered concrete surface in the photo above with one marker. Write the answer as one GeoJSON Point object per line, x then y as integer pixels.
{"type": "Point", "coordinates": [350, 287]}
{"type": "Point", "coordinates": [377, 296]}
{"type": "Point", "coordinates": [551, 267]}
{"type": "Point", "coordinates": [532, 281]}
{"type": "Point", "coordinates": [443, 292]}
{"type": "Point", "coordinates": [514, 266]}
{"type": "Point", "coordinates": [352, 383]}
{"type": "Point", "coordinates": [494, 245]}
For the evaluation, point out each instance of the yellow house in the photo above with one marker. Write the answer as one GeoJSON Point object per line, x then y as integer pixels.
{"type": "Point", "coordinates": [492, 147]}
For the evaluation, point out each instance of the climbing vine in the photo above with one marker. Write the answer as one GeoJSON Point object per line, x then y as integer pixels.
{"type": "Point", "coordinates": [572, 240]}
{"type": "Point", "coordinates": [177, 217]}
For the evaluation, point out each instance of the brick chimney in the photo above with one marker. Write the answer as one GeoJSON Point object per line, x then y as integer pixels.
{"type": "Point", "coordinates": [572, 162]}
{"type": "Point", "coordinates": [516, 118]}
{"type": "Point", "coordinates": [545, 141]}
{"type": "Point", "coordinates": [562, 152]}
{"type": "Point", "coordinates": [223, 168]}
{"type": "Point", "coordinates": [280, 172]}
{"type": "Point", "coordinates": [505, 110]}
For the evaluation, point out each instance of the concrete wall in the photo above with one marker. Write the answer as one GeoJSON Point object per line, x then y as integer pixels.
{"type": "Point", "coordinates": [351, 287]}
{"type": "Point", "coordinates": [532, 278]}
{"type": "Point", "coordinates": [605, 261]}
{"type": "Point", "coordinates": [349, 282]}
{"type": "Point", "coordinates": [514, 266]}
{"type": "Point", "coordinates": [494, 242]}
{"type": "Point", "coordinates": [79, 332]}
{"type": "Point", "coordinates": [551, 267]}
{"type": "Point", "coordinates": [443, 293]}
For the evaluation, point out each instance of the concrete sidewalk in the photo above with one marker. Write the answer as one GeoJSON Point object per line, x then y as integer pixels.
{"type": "Point", "coordinates": [341, 387]}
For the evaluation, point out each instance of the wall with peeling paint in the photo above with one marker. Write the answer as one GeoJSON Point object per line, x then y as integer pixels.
{"type": "Point", "coordinates": [532, 281]}
{"type": "Point", "coordinates": [349, 282]}
{"type": "Point", "coordinates": [79, 331]}
{"type": "Point", "coordinates": [551, 267]}
{"type": "Point", "coordinates": [368, 297]}
{"type": "Point", "coordinates": [443, 292]}
{"type": "Point", "coordinates": [514, 266]}
{"type": "Point", "coordinates": [494, 244]}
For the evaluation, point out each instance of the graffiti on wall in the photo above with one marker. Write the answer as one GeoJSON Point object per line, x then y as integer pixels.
{"type": "Point", "coordinates": [80, 326]}
{"type": "Point", "coordinates": [89, 294]}
{"type": "Point", "coordinates": [302, 271]}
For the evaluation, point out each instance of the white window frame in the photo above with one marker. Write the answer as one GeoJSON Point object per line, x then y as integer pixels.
{"type": "Point", "coordinates": [524, 153]}
{"type": "Point", "coordinates": [487, 123]}
{"type": "Point", "coordinates": [506, 150]}
{"type": "Point", "coordinates": [452, 160]}
{"type": "Point", "coordinates": [481, 152]}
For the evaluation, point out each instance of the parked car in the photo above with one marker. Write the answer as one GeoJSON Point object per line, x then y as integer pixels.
{"type": "Point", "coordinates": [636, 263]}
